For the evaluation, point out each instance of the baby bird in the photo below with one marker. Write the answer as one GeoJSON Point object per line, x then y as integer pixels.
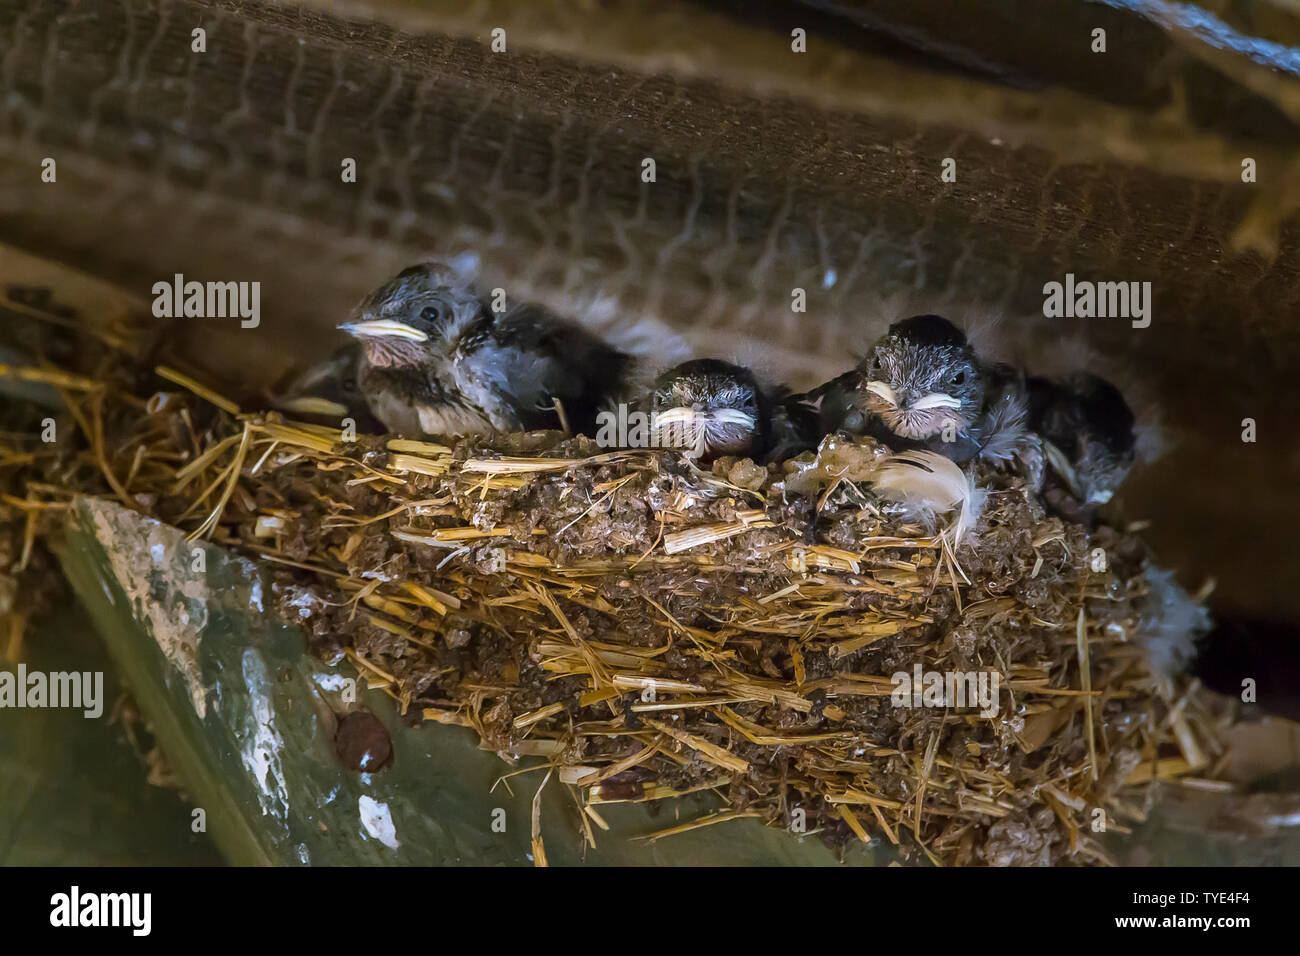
{"type": "Point", "coordinates": [712, 408]}
{"type": "Point", "coordinates": [1088, 433]}
{"type": "Point", "coordinates": [436, 360]}
{"type": "Point", "coordinates": [920, 387]}
{"type": "Point", "coordinates": [923, 387]}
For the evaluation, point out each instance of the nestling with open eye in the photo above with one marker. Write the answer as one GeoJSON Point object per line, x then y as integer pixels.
{"type": "Point", "coordinates": [436, 360]}
{"type": "Point", "coordinates": [710, 408]}
{"type": "Point", "coordinates": [922, 386]}
{"type": "Point", "coordinates": [920, 382]}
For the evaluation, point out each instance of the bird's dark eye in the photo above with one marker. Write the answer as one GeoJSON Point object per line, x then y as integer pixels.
{"type": "Point", "coordinates": [430, 313]}
{"type": "Point", "coordinates": [959, 378]}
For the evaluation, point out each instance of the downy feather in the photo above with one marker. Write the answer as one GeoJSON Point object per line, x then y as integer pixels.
{"type": "Point", "coordinates": [928, 484]}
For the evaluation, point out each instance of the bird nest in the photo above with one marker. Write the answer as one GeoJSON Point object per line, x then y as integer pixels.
{"type": "Point", "coordinates": [651, 630]}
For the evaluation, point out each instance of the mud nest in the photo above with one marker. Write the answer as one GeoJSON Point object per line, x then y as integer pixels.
{"type": "Point", "coordinates": [650, 629]}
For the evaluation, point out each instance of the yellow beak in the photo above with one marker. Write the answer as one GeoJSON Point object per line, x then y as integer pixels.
{"type": "Point", "coordinates": [884, 391]}
{"type": "Point", "coordinates": [383, 329]}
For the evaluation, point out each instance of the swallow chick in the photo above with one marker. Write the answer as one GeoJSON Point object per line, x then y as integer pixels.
{"type": "Point", "coordinates": [1088, 432]}
{"type": "Point", "coordinates": [711, 408]}
{"type": "Point", "coordinates": [920, 383]}
{"type": "Point", "coordinates": [923, 387]}
{"type": "Point", "coordinates": [436, 360]}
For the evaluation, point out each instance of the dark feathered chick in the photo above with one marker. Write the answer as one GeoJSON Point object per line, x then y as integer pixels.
{"type": "Point", "coordinates": [1088, 430]}
{"type": "Point", "coordinates": [710, 408]}
{"type": "Point", "coordinates": [437, 360]}
{"type": "Point", "coordinates": [920, 386]}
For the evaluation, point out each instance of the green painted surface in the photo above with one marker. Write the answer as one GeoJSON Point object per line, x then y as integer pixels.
{"type": "Point", "coordinates": [72, 792]}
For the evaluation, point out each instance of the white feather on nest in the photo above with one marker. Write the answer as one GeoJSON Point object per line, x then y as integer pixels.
{"type": "Point", "coordinates": [928, 484]}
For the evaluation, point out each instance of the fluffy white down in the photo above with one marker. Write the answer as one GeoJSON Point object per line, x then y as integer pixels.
{"type": "Point", "coordinates": [1170, 623]}
{"type": "Point", "coordinates": [928, 484]}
